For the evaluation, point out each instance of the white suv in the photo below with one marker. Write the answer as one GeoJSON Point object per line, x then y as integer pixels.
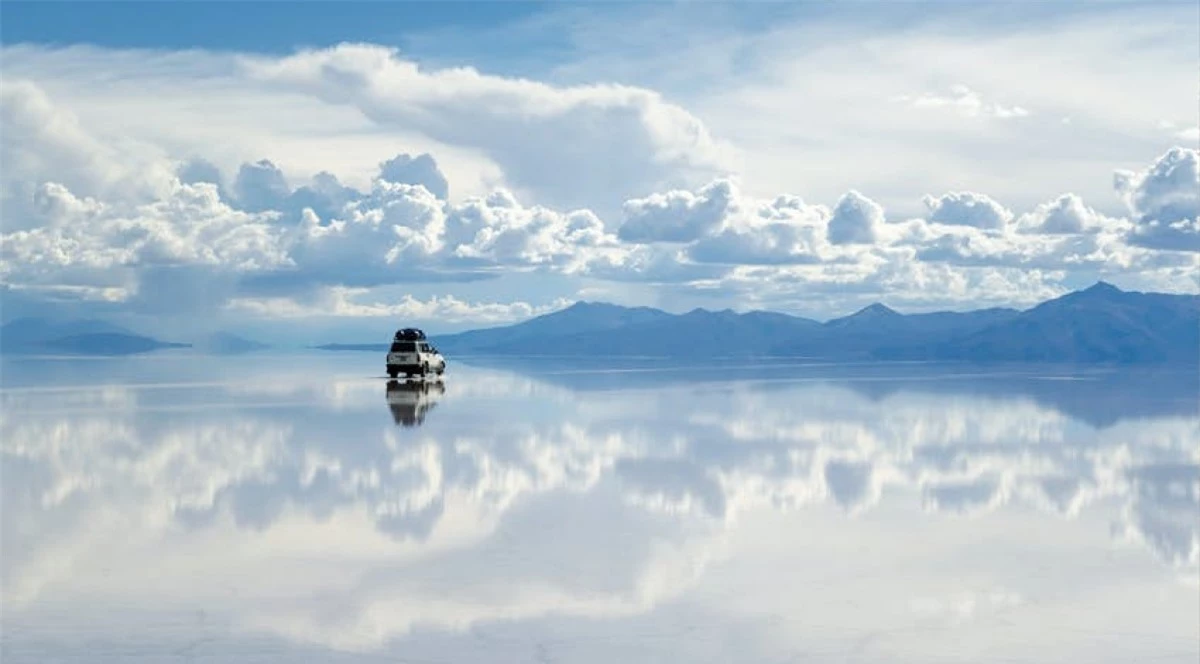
{"type": "Point", "coordinates": [411, 354]}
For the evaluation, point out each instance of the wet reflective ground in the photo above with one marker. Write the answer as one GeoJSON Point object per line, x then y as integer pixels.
{"type": "Point", "coordinates": [304, 508]}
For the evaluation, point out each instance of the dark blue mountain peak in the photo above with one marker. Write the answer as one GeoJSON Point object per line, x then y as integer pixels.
{"type": "Point", "coordinates": [1101, 294]}
{"type": "Point", "coordinates": [38, 329]}
{"type": "Point", "coordinates": [701, 312]}
{"type": "Point", "coordinates": [1102, 288]}
{"type": "Point", "coordinates": [874, 311]}
{"type": "Point", "coordinates": [878, 308]}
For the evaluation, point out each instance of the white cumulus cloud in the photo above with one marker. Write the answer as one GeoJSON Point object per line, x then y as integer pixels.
{"type": "Point", "coordinates": [570, 146]}
{"type": "Point", "coordinates": [679, 215]}
{"type": "Point", "coordinates": [1065, 215]}
{"type": "Point", "coordinates": [1165, 200]}
{"type": "Point", "coordinates": [967, 209]}
{"type": "Point", "coordinates": [191, 226]}
{"type": "Point", "coordinates": [41, 141]}
{"type": "Point", "coordinates": [856, 219]}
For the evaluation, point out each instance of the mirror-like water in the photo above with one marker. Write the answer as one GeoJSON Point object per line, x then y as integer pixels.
{"type": "Point", "coordinates": [301, 508]}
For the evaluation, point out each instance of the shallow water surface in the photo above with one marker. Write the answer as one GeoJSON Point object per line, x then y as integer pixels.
{"type": "Point", "coordinates": [302, 508]}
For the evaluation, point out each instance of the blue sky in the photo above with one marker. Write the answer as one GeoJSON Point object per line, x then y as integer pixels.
{"type": "Point", "coordinates": [168, 163]}
{"type": "Point", "coordinates": [276, 26]}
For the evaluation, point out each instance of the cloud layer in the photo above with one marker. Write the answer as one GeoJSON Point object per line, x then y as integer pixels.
{"type": "Point", "coordinates": [96, 218]}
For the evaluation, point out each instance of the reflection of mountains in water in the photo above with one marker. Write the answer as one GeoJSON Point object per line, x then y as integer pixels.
{"type": "Point", "coordinates": [411, 400]}
{"type": "Point", "coordinates": [1100, 397]}
{"type": "Point", "coordinates": [1097, 395]}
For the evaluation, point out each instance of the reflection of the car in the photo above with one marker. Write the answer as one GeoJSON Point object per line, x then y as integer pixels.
{"type": "Point", "coordinates": [410, 400]}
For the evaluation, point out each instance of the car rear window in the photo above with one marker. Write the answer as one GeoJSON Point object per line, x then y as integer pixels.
{"type": "Point", "coordinates": [404, 347]}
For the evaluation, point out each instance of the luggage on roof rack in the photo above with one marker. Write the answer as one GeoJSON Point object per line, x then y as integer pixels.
{"type": "Point", "coordinates": [409, 334]}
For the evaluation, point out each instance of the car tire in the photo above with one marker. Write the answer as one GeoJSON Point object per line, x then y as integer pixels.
{"type": "Point", "coordinates": [424, 369]}
{"type": "Point", "coordinates": [392, 373]}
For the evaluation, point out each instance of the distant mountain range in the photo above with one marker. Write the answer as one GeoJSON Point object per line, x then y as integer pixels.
{"type": "Point", "coordinates": [26, 336]}
{"type": "Point", "coordinates": [1099, 324]}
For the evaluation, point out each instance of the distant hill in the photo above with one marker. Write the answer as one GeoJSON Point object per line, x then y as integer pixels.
{"type": "Point", "coordinates": [636, 332]}
{"type": "Point", "coordinates": [83, 337]}
{"type": "Point", "coordinates": [860, 334]}
{"type": "Point", "coordinates": [581, 318]}
{"type": "Point", "coordinates": [108, 343]}
{"type": "Point", "coordinates": [36, 331]}
{"type": "Point", "coordinates": [225, 343]}
{"type": "Point", "coordinates": [1099, 324]}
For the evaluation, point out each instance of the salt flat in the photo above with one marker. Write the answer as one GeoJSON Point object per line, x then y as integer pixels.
{"type": "Point", "coordinates": [278, 507]}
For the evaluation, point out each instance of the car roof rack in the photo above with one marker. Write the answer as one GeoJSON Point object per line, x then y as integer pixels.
{"type": "Point", "coordinates": [409, 334]}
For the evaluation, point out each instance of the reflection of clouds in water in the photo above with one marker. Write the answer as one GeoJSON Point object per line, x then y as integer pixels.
{"type": "Point", "coordinates": [336, 394]}
{"type": "Point", "coordinates": [1163, 513]}
{"type": "Point", "coordinates": [570, 571]}
{"type": "Point", "coordinates": [738, 449]}
{"type": "Point", "coordinates": [684, 462]}
{"type": "Point", "coordinates": [966, 497]}
{"type": "Point", "coordinates": [963, 607]}
{"type": "Point", "coordinates": [54, 473]}
{"type": "Point", "coordinates": [354, 393]}
{"type": "Point", "coordinates": [74, 400]}
{"type": "Point", "coordinates": [671, 485]}
{"type": "Point", "coordinates": [852, 485]}
{"type": "Point", "coordinates": [172, 467]}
